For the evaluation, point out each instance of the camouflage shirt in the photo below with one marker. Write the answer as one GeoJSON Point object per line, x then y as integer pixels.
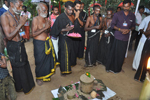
{"type": "Point", "coordinates": [3, 71]}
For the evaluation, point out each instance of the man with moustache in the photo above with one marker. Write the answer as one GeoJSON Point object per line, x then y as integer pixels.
{"type": "Point", "coordinates": [12, 26]}
{"type": "Point", "coordinates": [93, 26]}
{"type": "Point", "coordinates": [43, 48]}
{"type": "Point", "coordinates": [62, 27]}
{"type": "Point", "coordinates": [82, 39]}
{"type": "Point", "coordinates": [107, 39]}
{"type": "Point", "coordinates": [54, 15]}
{"type": "Point", "coordinates": [123, 22]}
{"type": "Point", "coordinates": [78, 23]}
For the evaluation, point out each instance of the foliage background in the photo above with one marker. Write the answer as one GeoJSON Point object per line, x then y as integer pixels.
{"type": "Point", "coordinates": [110, 3]}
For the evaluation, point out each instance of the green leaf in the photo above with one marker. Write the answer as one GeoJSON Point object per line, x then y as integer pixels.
{"type": "Point", "coordinates": [68, 87]}
{"type": "Point", "coordinates": [88, 74]}
{"type": "Point", "coordinates": [77, 86]}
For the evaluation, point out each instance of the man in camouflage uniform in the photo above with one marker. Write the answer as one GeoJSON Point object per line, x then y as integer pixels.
{"type": "Point", "coordinates": [7, 89]}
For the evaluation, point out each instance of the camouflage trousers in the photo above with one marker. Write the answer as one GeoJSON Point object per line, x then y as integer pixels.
{"type": "Point", "coordinates": [7, 89]}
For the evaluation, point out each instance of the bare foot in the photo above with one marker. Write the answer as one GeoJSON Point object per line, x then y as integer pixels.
{"type": "Point", "coordinates": [39, 82]}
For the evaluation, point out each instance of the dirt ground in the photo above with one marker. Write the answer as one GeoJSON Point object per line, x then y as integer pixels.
{"type": "Point", "coordinates": [123, 84]}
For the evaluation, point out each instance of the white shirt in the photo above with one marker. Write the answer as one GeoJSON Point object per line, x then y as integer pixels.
{"type": "Point", "coordinates": [144, 23]}
{"type": "Point", "coordinates": [5, 7]}
{"type": "Point", "coordinates": [139, 19]}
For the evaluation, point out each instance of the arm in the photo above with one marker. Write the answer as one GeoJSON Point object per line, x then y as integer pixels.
{"type": "Point", "coordinates": [142, 25]}
{"type": "Point", "coordinates": [147, 32]}
{"type": "Point", "coordinates": [77, 16]}
{"type": "Point", "coordinates": [7, 29]}
{"type": "Point", "coordinates": [68, 28]}
{"type": "Point", "coordinates": [35, 30]}
{"type": "Point", "coordinates": [3, 62]}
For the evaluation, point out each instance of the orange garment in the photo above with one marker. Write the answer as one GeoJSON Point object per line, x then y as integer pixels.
{"type": "Point", "coordinates": [27, 32]}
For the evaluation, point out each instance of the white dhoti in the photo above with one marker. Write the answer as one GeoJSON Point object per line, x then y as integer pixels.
{"type": "Point", "coordinates": [55, 44]}
{"type": "Point", "coordinates": [138, 53]}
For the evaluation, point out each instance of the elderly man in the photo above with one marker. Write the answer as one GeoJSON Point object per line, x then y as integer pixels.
{"type": "Point", "coordinates": [43, 48]}
{"type": "Point", "coordinates": [12, 24]}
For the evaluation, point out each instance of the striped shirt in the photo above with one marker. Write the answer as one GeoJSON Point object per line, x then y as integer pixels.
{"type": "Point", "coordinates": [3, 71]}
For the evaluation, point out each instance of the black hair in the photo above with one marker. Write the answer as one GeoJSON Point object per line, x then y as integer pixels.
{"type": "Point", "coordinates": [82, 2]}
{"type": "Point", "coordinates": [118, 8]}
{"type": "Point", "coordinates": [54, 7]}
{"type": "Point", "coordinates": [69, 3]}
{"type": "Point", "coordinates": [127, 1]}
{"type": "Point", "coordinates": [96, 6]}
{"type": "Point", "coordinates": [24, 7]}
{"type": "Point", "coordinates": [110, 9]}
{"type": "Point", "coordinates": [141, 7]}
{"type": "Point", "coordinates": [77, 2]}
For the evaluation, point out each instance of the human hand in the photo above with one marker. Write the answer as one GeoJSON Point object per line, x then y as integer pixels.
{"type": "Point", "coordinates": [47, 24]}
{"type": "Point", "coordinates": [125, 31]}
{"type": "Point", "coordinates": [77, 14]}
{"type": "Point", "coordinates": [68, 28]}
{"type": "Point", "coordinates": [23, 20]}
{"type": "Point", "coordinates": [107, 35]}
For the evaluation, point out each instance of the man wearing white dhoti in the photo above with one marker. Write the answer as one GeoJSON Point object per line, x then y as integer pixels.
{"type": "Point", "coordinates": [137, 57]}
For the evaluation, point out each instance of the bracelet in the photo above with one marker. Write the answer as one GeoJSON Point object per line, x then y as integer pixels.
{"type": "Point", "coordinates": [119, 29]}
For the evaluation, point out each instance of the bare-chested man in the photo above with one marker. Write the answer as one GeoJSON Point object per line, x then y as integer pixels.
{"type": "Point", "coordinates": [93, 26]}
{"type": "Point", "coordinates": [12, 24]}
{"type": "Point", "coordinates": [44, 54]}
{"type": "Point", "coordinates": [106, 40]}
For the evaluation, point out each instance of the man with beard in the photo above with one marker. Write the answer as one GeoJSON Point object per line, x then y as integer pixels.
{"type": "Point", "coordinates": [12, 26]}
{"type": "Point", "coordinates": [123, 22]}
{"type": "Point", "coordinates": [44, 53]}
{"type": "Point", "coordinates": [78, 23]}
{"type": "Point", "coordinates": [93, 26]}
{"type": "Point", "coordinates": [27, 24]}
{"type": "Point", "coordinates": [107, 39]}
{"type": "Point", "coordinates": [61, 28]}
{"type": "Point", "coordinates": [82, 39]}
{"type": "Point", "coordinates": [54, 15]}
